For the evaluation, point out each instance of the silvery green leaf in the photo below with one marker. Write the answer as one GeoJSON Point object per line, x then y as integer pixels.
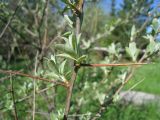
{"type": "Point", "coordinates": [82, 58]}
{"type": "Point", "coordinates": [67, 74]}
{"type": "Point", "coordinates": [53, 116]}
{"type": "Point", "coordinates": [155, 25]}
{"type": "Point", "coordinates": [8, 105]}
{"type": "Point", "coordinates": [116, 98]}
{"type": "Point", "coordinates": [149, 37]}
{"type": "Point", "coordinates": [65, 49]}
{"type": "Point", "coordinates": [122, 77]}
{"type": "Point", "coordinates": [62, 78]}
{"type": "Point", "coordinates": [101, 97]}
{"type": "Point", "coordinates": [53, 57]}
{"type": "Point", "coordinates": [61, 67]}
{"type": "Point", "coordinates": [112, 49]}
{"type": "Point", "coordinates": [80, 101]}
{"type": "Point", "coordinates": [73, 43]}
{"type": "Point", "coordinates": [65, 39]}
{"type": "Point", "coordinates": [70, 39]}
{"type": "Point", "coordinates": [67, 33]}
{"type": "Point", "coordinates": [67, 56]}
{"type": "Point", "coordinates": [53, 75]}
{"type": "Point", "coordinates": [151, 47]}
{"type": "Point", "coordinates": [133, 32]}
{"type": "Point", "coordinates": [86, 44]}
{"type": "Point", "coordinates": [52, 66]}
{"type": "Point", "coordinates": [78, 39]}
{"type": "Point", "coordinates": [70, 23]}
{"type": "Point", "coordinates": [132, 51]}
{"type": "Point", "coordinates": [58, 116]}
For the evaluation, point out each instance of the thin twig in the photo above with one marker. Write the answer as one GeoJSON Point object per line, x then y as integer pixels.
{"type": "Point", "coordinates": [33, 77]}
{"type": "Point", "coordinates": [135, 85]}
{"type": "Point", "coordinates": [114, 64]}
{"type": "Point", "coordinates": [34, 85]}
{"type": "Point", "coordinates": [45, 38]}
{"type": "Point", "coordinates": [13, 29]}
{"type": "Point", "coordinates": [126, 81]}
{"type": "Point", "coordinates": [42, 19]}
{"type": "Point", "coordinates": [37, 92]}
{"type": "Point", "coordinates": [4, 78]}
{"type": "Point", "coordinates": [10, 19]}
{"type": "Point", "coordinates": [13, 98]}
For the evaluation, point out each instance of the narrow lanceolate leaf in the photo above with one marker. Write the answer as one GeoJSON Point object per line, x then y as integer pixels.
{"type": "Point", "coordinates": [65, 49]}
{"type": "Point", "coordinates": [65, 39]}
{"type": "Point", "coordinates": [53, 58]}
{"type": "Point", "coordinates": [53, 75]}
{"type": "Point", "coordinates": [52, 66]}
{"type": "Point", "coordinates": [67, 56]}
{"type": "Point", "coordinates": [67, 33]}
{"type": "Point", "coordinates": [82, 58]}
{"type": "Point", "coordinates": [70, 23]}
{"type": "Point", "coordinates": [70, 42]}
{"type": "Point", "coordinates": [78, 39]}
{"type": "Point", "coordinates": [133, 32]}
{"type": "Point", "coordinates": [74, 43]}
{"type": "Point", "coordinates": [61, 67]}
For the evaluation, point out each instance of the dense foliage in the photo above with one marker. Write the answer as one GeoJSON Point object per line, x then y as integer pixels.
{"type": "Point", "coordinates": [41, 38]}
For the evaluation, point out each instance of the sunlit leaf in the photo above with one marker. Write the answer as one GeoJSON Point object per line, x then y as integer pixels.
{"type": "Point", "coordinates": [65, 49]}
{"type": "Point", "coordinates": [52, 66]}
{"type": "Point", "coordinates": [67, 56]}
{"type": "Point", "coordinates": [133, 32]}
{"type": "Point", "coordinates": [53, 57]}
{"type": "Point", "coordinates": [53, 75]}
{"type": "Point", "coordinates": [61, 67]}
{"type": "Point", "coordinates": [112, 49]}
{"type": "Point", "coordinates": [132, 51]}
{"type": "Point", "coordinates": [70, 23]}
{"type": "Point", "coordinates": [82, 58]}
{"type": "Point", "coordinates": [155, 25]}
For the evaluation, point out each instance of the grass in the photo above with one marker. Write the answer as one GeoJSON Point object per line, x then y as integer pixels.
{"type": "Point", "coordinates": [131, 112]}
{"type": "Point", "coordinates": [150, 74]}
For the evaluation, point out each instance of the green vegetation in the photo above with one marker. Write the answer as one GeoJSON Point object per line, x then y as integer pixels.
{"type": "Point", "coordinates": [69, 59]}
{"type": "Point", "coordinates": [131, 112]}
{"type": "Point", "coordinates": [149, 74]}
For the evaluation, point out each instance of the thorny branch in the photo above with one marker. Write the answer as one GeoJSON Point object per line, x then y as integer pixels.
{"type": "Point", "coordinates": [114, 64]}
{"type": "Point", "coordinates": [33, 77]}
